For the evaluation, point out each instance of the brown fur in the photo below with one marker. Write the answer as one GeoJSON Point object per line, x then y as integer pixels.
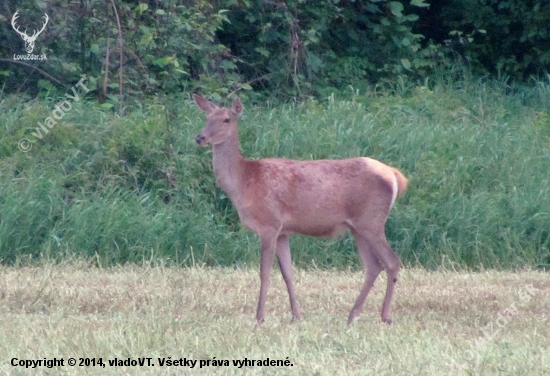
{"type": "Point", "coordinates": [278, 197]}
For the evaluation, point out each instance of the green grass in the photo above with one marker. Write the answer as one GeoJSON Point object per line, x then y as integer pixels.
{"type": "Point", "coordinates": [134, 188]}
{"type": "Point", "coordinates": [441, 323]}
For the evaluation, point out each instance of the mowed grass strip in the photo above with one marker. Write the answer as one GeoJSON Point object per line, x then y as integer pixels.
{"type": "Point", "coordinates": [445, 322]}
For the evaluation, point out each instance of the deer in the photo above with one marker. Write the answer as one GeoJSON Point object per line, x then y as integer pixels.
{"type": "Point", "coordinates": [29, 40]}
{"type": "Point", "coordinates": [278, 197]}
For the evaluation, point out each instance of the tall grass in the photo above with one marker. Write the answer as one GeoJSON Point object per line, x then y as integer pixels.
{"type": "Point", "coordinates": [134, 188]}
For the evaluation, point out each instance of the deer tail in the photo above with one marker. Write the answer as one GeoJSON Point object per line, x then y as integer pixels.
{"type": "Point", "coordinates": [402, 182]}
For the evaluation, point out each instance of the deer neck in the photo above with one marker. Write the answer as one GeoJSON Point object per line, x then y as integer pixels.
{"type": "Point", "coordinates": [228, 164]}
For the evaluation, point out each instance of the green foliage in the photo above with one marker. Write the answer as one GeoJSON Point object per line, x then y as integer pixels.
{"type": "Point", "coordinates": [128, 50]}
{"type": "Point", "coordinates": [133, 188]}
{"type": "Point", "coordinates": [294, 48]}
{"type": "Point", "coordinates": [299, 48]}
{"type": "Point", "coordinates": [505, 38]}
{"type": "Point", "coordinates": [159, 47]}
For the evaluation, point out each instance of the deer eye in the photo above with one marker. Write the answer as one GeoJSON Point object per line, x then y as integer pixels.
{"type": "Point", "coordinates": [226, 120]}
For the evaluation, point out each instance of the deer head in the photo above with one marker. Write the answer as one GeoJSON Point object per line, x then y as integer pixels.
{"type": "Point", "coordinates": [221, 123]}
{"type": "Point", "coordinates": [29, 40]}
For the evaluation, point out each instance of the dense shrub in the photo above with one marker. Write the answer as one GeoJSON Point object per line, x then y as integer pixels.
{"type": "Point", "coordinates": [127, 49]}
{"type": "Point", "coordinates": [504, 38]}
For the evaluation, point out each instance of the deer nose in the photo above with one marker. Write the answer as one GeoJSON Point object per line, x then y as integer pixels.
{"type": "Point", "coordinates": [199, 138]}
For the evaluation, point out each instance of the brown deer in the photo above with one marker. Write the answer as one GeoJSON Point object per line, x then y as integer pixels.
{"type": "Point", "coordinates": [278, 197]}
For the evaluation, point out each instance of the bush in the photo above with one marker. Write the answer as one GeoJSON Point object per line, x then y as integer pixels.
{"type": "Point", "coordinates": [502, 38]}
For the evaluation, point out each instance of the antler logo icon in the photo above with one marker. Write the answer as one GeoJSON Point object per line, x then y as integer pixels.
{"type": "Point", "coordinates": [29, 40]}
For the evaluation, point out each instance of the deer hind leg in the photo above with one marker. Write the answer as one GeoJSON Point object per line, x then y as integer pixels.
{"type": "Point", "coordinates": [392, 264]}
{"type": "Point", "coordinates": [373, 267]}
{"type": "Point", "coordinates": [285, 264]}
{"type": "Point", "coordinates": [381, 256]}
{"type": "Point", "coordinates": [268, 244]}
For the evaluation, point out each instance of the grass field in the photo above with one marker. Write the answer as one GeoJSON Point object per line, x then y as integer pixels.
{"type": "Point", "coordinates": [445, 322]}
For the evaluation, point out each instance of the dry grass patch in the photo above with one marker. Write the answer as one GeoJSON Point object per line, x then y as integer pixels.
{"type": "Point", "coordinates": [441, 321]}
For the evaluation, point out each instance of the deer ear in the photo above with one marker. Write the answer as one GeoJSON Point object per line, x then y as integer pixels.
{"type": "Point", "coordinates": [204, 104]}
{"type": "Point", "coordinates": [237, 107]}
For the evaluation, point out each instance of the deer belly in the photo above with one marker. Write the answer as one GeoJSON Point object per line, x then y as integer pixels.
{"type": "Point", "coordinates": [318, 230]}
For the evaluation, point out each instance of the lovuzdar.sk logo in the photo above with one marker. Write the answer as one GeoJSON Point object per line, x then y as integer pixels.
{"type": "Point", "coordinates": [29, 39]}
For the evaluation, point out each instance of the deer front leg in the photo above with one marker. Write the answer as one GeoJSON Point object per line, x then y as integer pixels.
{"type": "Point", "coordinates": [268, 243]}
{"type": "Point", "coordinates": [285, 264]}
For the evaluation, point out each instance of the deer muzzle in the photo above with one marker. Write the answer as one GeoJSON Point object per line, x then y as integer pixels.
{"type": "Point", "coordinates": [199, 139]}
